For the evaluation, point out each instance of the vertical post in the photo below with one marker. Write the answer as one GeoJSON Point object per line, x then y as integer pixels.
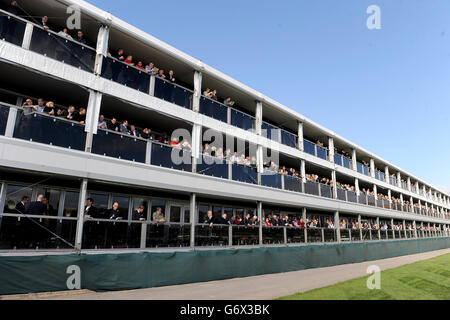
{"type": "Point", "coordinates": [415, 229]}
{"type": "Point", "coordinates": [379, 231]}
{"type": "Point", "coordinates": [392, 227]}
{"type": "Point", "coordinates": [151, 89]}
{"type": "Point", "coordinates": [258, 118]}
{"type": "Point", "coordinates": [417, 187]}
{"type": "Point", "coordinates": [196, 145]}
{"type": "Point", "coordinates": [148, 152]}
{"type": "Point", "coordinates": [404, 228]}
{"type": "Point", "coordinates": [386, 174]}
{"type": "Point", "coordinates": [197, 91]}
{"type": "Point", "coordinates": [331, 149]}
{"type": "Point", "coordinates": [27, 36]}
{"type": "Point", "coordinates": [192, 212]}
{"type": "Point", "coordinates": [260, 162]}
{"type": "Point", "coordinates": [337, 226]}
{"type": "Point", "coordinates": [333, 177]}
{"type": "Point", "coordinates": [306, 228]}
{"type": "Point", "coordinates": [408, 184]}
{"type": "Point", "coordinates": [92, 115]}
{"type": "Point", "coordinates": [323, 234]}
{"type": "Point", "coordinates": [358, 192]}
{"type": "Point", "coordinates": [11, 122]}
{"type": "Point", "coordinates": [372, 168]}
{"type": "Point", "coordinates": [102, 48]}
{"type": "Point", "coordinates": [260, 223]}
{"type": "Point", "coordinates": [300, 143]}
{"type": "Point", "coordinates": [360, 227]}
{"type": "Point", "coordinates": [230, 235]}
{"type": "Point", "coordinates": [399, 180]}
{"type": "Point", "coordinates": [285, 235]}
{"type": "Point", "coordinates": [354, 160]}
{"type": "Point", "coordinates": [80, 219]}
{"type": "Point", "coordinates": [2, 200]}
{"type": "Point", "coordinates": [390, 198]}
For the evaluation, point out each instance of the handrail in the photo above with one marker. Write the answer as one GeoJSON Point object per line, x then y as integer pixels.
{"type": "Point", "coordinates": [215, 101]}
{"type": "Point", "coordinates": [244, 113]}
{"type": "Point", "coordinates": [169, 82]}
{"type": "Point", "coordinates": [17, 215]}
{"type": "Point", "coordinates": [128, 65]}
{"type": "Point", "coordinates": [43, 114]}
{"type": "Point", "coordinates": [42, 28]}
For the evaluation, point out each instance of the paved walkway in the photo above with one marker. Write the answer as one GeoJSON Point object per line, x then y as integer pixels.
{"type": "Point", "coordinates": [264, 287]}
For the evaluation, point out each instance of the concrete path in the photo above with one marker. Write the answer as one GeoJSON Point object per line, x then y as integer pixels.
{"type": "Point", "coordinates": [264, 287]}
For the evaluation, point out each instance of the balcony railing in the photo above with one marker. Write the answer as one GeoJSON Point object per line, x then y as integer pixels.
{"type": "Point", "coordinates": [52, 45]}
{"type": "Point", "coordinates": [288, 139]}
{"type": "Point", "coordinates": [42, 128]}
{"type": "Point", "coordinates": [241, 120]}
{"type": "Point", "coordinates": [212, 166]}
{"type": "Point", "coordinates": [270, 132]}
{"type": "Point", "coordinates": [213, 109]}
{"type": "Point", "coordinates": [121, 146]}
{"type": "Point", "coordinates": [12, 29]}
{"type": "Point", "coordinates": [272, 180]}
{"type": "Point", "coordinates": [125, 74]}
{"type": "Point", "coordinates": [4, 112]}
{"type": "Point", "coordinates": [315, 150]}
{"type": "Point", "coordinates": [245, 174]}
{"type": "Point", "coordinates": [173, 93]}
{"type": "Point", "coordinates": [170, 157]}
{"type": "Point", "coordinates": [342, 161]}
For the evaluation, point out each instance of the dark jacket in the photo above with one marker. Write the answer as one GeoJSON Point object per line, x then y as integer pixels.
{"type": "Point", "coordinates": [92, 212]}
{"type": "Point", "coordinates": [20, 208]}
{"type": "Point", "coordinates": [36, 208]}
{"type": "Point", "coordinates": [111, 213]}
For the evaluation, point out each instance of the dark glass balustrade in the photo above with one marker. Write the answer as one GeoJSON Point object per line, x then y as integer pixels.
{"type": "Point", "coordinates": [272, 180]}
{"type": "Point", "coordinates": [4, 112]}
{"type": "Point", "coordinates": [214, 167]}
{"type": "Point", "coordinates": [169, 157]}
{"type": "Point", "coordinates": [213, 109]}
{"type": "Point", "coordinates": [244, 174]}
{"type": "Point", "coordinates": [241, 120]}
{"type": "Point", "coordinates": [119, 146]}
{"type": "Point", "coordinates": [288, 139]}
{"type": "Point", "coordinates": [50, 130]}
{"type": "Point", "coordinates": [292, 184]}
{"type": "Point", "coordinates": [63, 50]}
{"type": "Point", "coordinates": [172, 93]}
{"type": "Point", "coordinates": [309, 147]}
{"type": "Point", "coordinates": [11, 29]}
{"type": "Point", "coordinates": [125, 74]}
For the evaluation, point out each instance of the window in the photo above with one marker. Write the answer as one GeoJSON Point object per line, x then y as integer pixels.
{"type": "Point", "coordinates": [159, 204]}
{"type": "Point", "coordinates": [14, 195]}
{"type": "Point", "coordinates": [101, 203]}
{"type": "Point", "coordinates": [202, 213]}
{"type": "Point", "coordinates": [71, 204]}
{"type": "Point", "coordinates": [123, 206]}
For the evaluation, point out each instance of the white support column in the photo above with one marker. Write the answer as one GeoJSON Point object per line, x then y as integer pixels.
{"type": "Point", "coordinates": [197, 91]}
{"type": "Point", "coordinates": [196, 145]}
{"type": "Point", "coordinates": [386, 174]}
{"type": "Point", "coordinates": [11, 122]}
{"type": "Point", "coordinates": [300, 144]}
{"type": "Point", "coordinates": [399, 180]}
{"type": "Point", "coordinates": [411, 201]}
{"type": "Point", "coordinates": [259, 204]}
{"type": "Point", "coordinates": [354, 160]}
{"type": "Point", "coordinates": [417, 187]}
{"type": "Point", "coordinates": [258, 118]}
{"type": "Point", "coordinates": [390, 195]}
{"type": "Point", "coordinates": [151, 90]}
{"type": "Point", "coordinates": [192, 212]}
{"type": "Point", "coordinates": [331, 149]}
{"type": "Point", "coordinates": [80, 218]}
{"type": "Point", "coordinates": [92, 115]}
{"type": "Point", "coordinates": [375, 192]}
{"type": "Point", "coordinates": [2, 196]}
{"type": "Point", "coordinates": [401, 200]}
{"type": "Point", "coordinates": [304, 221]}
{"type": "Point", "coordinates": [333, 177]}
{"type": "Point", "coordinates": [27, 36]}
{"type": "Point", "coordinates": [337, 227]}
{"type": "Point", "coordinates": [360, 227]}
{"type": "Point", "coordinates": [303, 170]}
{"type": "Point", "coordinates": [408, 184]}
{"type": "Point", "coordinates": [415, 228]}
{"type": "Point", "coordinates": [372, 168]}
{"type": "Point", "coordinates": [358, 192]}
{"type": "Point", "coordinates": [102, 48]}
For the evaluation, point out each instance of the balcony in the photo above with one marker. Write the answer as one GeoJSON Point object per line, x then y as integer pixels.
{"type": "Point", "coordinates": [4, 112]}
{"type": "Point", "coordinates": [213, 109]}
{"type": "Point", "coordinates": [173, 93]}
{"type": "Point", "coordinates": [342, 161]}
{"type": "Point", "coordinates": [125, 74]}
{"type": "Point", "coordinates": [242, 120]}
{"type": "Point", "coordinates": [315, 150]}
{"type": "Point", "coordinates": [12, 29]}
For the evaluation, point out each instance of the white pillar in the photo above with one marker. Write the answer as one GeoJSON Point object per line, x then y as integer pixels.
{"type": "Point", "coordinates": [358, 192]}
{"type": "Point", "coordinates": [300, 144]}
{"type": "Point", "coordinates": [259, 118]}
{"type": "Point", "coordinates": [354, 160]}
{"type": "Point", "coordinates": [92, 115]}
{"type": "Point", "coordinates": [303, 170]}
{"type": "Point", "coordinates": [331, 148]}
{"type": "Point", "coordinates": [399, 180]}
{"type": "Point", "coordinates": [80, 218]}
{"type": "Point", "coordinates": [372, 168]}
{"type": "Point", "coordinates": [197, 91]}
{"type": "Point", "coordinates": [27, 36]}
{"type": "Point", "coordinates": [260, 222]}
{"type": "Point", "coordinates": [386, 174]}
{"type": "Point", "coordinates": [192, 218]}
{"type": "Point", "coordinates": [408, 184]}
{"type": "Point", "coordinates": [12, 115]}
{"type": "Point", "coordinates": [102, 48]}
{"type": "Point", "coordinates": [337, 226]}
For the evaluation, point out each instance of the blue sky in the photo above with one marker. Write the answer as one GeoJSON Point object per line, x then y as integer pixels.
{"type": "Point", "coordinates": [387, 90]}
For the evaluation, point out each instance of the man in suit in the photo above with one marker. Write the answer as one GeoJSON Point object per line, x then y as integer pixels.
{"type": "Point", "coordinates": [134, 132]}
{"type": "Point", "coordinates": [123, 128]}
{"type": "Point", "coordinates": [20, 207]}
{"type": "Point", "coordinates": [113, 213]}
{"type": "Point", "coordinates": [139, 214]}
{"type": "Point", "coordinates": [90, 211]}
{"type": "Point", "coordinates": [36, 208]}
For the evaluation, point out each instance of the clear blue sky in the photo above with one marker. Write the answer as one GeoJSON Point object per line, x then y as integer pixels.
{"type": "Point", "coordinates": [387, 90]}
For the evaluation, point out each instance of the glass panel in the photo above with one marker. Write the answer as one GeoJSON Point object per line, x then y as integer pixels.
{"type": "Point", "coordinates": [119, 146]}
{"type": "Point", "coordinates": [341, 194]}
{"type": "Point", "coordinates": [314, 235]}
{"type": "Point", "coordinates": [244, 174]}
{"type": "Point", "coordinates": [124, 204]}
{"type": "Point", "coordinates": [171, 235]}
{"type": "Point", "coordinates": [11, 29]}
{"type": "Point", "coordinates": [269, 131]}
{"type": "Point", "coordinates": [312, 188]}
{"type": "Point", "coordinates": [51, 45]}
{"type": "Point", "coordinates": [325, 191]}
{"type": "Point", "coordinates": [217, 235]}
{"type": "Point", "coordinates": [322, 153]}
{"type": "Point", "coordinates": [380, 203]}
{"type": "Point", "coordinates": [362, 199]}
{"type": "Point", "coordinates": [371, 200]}
{"type": "Point", "coordinates": [187, 215]}
{"type": "Point", "coordinates": [45, 129]}
{"type": "Point", "coordinates": [4, 112]}
{"type": "Point", "coordinates": [175, 214]}
{"type": "Point", "coordinates": [273, 235]}
{"type": "Point", "coordinates": [125, 74]}
{"type": "Point", "coordinates": [214, 167]}
{"type": "Point", "coordinates": [213, 109]}
{"type": "Point", "coordinates": [202, 213]}
{"type": "Point", "coordinates": [173, 158]}
{"type": "Point", "coordinates": [309, 147]}
{"type": "Point", "coordinates": [295, 235]}
{"type": "Point", "coordinates": [359, 167]}
{"type": "Point", "coordinates": [245, 235]}
{"type": "Point", "coordinates": [347, 162]}
{"type": "Point", "coordinates": [338, 159]}
{"type": "Point", "coordinates": [292, 184]}
{"type": "Point", "coordinates": [241, 120]}
{"type": "Point", "coordinates": [271, 180]}
{"type": "Point", "coordinates": [100, 204]}
{"type": "Point", "coordinates": [351, 196]}
{"type": "Point", "coordinates": [330, 235]}
{"type": "Point", "coordinates": [14, 196]}
{"type": "Point", "coordinates": [288, 139]}
{"type": "Point", "coordinates": [158, 210]}
{"type": "Point", "coordinates": [111, 235]}
{"type": "Point", "coordinates": [356, 236]}
{"type": "Point", "coordinates": [366, 170]}
{"type": "Point", "coordinates": [71, 204]}
{"type": "Point", "coordinates": [26, 233]}
{"type": "Point", "coordinates": [172, 93]}
{"type": "Point", "coordinates": [50, 201]}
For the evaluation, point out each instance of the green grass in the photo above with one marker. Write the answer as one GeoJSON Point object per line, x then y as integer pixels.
{"type": "Point", "coordinates": [423, 280]}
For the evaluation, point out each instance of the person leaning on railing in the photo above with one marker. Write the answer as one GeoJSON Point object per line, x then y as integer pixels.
{"type": "Point", "coordinates": [158, 216]}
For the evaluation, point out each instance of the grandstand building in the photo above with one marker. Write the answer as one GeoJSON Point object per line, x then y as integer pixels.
{"type": "Point", "coordinates": [333, 192]}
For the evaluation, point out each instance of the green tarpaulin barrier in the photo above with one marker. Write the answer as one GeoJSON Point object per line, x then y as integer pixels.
{"type": "Point", "coordinates": [123, 271]}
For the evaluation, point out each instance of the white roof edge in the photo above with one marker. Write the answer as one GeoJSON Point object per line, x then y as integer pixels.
{"type": "Point", "coordinates": [198, 65]}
